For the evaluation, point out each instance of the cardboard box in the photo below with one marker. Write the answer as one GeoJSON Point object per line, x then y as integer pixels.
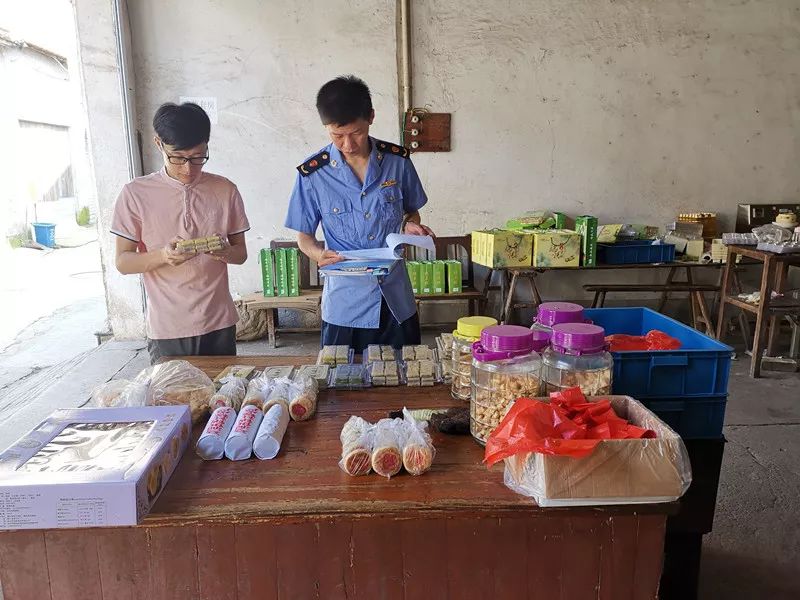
{"type": "Point", "coordinates": [412, 266]}
{"type": "Point", "coordinates": [439, 279]}
{"type": "Point", "coordinates": [91, 467]}
{"type": "Point", "coordinates": [502, 248]}
{"type": "Point", "coordinates": [556, 248]}
{"type": "Point", "coordinates": [267, 271]}
{"type": "Point", "coordinates": [616, 472]}
{"type": "Point", "coordinates": [607, 234]}
{"type": "Point", "coordinates": [561, 220]}
{"type": "Point", "coordinates": [293, 271]}
{"type": "Point", "coordinates": [586, 226]}
{"type": "Point", "coordinates": [281, 272]}
{"type": "Point", "coordinates": [426, 278]}
{"type": "Point", "coordinates": [455, 281]}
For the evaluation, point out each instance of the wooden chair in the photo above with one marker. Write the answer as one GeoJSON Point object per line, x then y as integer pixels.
{"type": "Point", "coordinates": [309, 300]}
{"type": "Point", "coordinates": [453, 248]}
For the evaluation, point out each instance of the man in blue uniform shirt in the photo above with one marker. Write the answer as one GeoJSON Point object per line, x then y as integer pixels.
{"type": "Point", "coordinates": [360, 190]}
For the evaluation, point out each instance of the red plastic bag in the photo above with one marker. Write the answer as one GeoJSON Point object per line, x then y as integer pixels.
{"type": "Point", "coordinates": [568, 425]}
{"type": "Point", "coordinates": [653, 340]}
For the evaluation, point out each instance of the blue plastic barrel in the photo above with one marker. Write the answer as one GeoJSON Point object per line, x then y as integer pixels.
{"type": "Point", "coordinates": [45, 234]}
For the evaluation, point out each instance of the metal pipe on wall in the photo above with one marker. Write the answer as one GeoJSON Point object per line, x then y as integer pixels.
{"type": "Point", "coordinates": [405, 52]}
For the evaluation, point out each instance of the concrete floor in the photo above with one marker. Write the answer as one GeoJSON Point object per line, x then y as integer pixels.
{"type": "Point", "coordinates": [753, 552]}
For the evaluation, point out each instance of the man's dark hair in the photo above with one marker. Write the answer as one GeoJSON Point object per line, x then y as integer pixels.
{"type": "Point", "coordinates": [182, 126]}
{"type": "Point", "coordinates": [344, 100]}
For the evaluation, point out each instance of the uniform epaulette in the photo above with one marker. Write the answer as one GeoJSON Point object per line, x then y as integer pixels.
{"type": "Point", "coordinates": [389, 148]}
{"type": "Point", "coordinates": [314, 163]}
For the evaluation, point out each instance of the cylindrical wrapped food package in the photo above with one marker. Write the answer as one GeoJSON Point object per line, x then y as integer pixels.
{"type": "Point", "coordinates": [281, 392]}
{"type": "Point", "coordinates": [356, 438]}
{"type": "Point", "coordinates": [211, 445]}
{"type": "Point", "coordinates": [257, 391]}
{"type": "Point", "coordinates": [386, 447]}
{"type": "Point", "coordinates": [270, 433]}
{"type": "Point", "coordinates": [230, 394]}
{"type": "Point", "coordinates": [303, 399]}
{"type": "Point", "coordinates": [418, 450]}
{"type": "Point", "coordinates": [239, 445]}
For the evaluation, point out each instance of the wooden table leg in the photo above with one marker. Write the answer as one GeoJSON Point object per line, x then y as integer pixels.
{"type": "Point", "coordinates": [781, 271]}
{"type": "Point", "coordinates": [665, 294]}
{"type": "Point", "coordinates": [271, 342]}
{"type": "Point", "coordinates": [723, 291]}
{"type": "Point", "coordinates": [762, 316]}
{"type": "Point", "coordinates": [744, 323]}
{"type": "Point", "coordinates": [537, 298]}
{"type": "Point", "coordinates": [693, 301]}
{"type": "Point", "coordinates": [505, 315]}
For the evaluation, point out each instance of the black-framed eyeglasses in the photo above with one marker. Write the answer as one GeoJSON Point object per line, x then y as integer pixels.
{"type": "Point", "coordinates": [182, 160]}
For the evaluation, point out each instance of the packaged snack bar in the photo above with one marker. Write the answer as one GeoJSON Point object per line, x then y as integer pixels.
{"type": "Point", "coordinates": [302, 399]}
{"type": "Point", "coordinates": [270, 433]}
{"type": "Point", "coordinates": [230, 394]}
{"type": "Point", "coordinates": [211, 445]}
{"type": "Point", "coordinates": [239, 444]}
{"type": "Point", "coordinates": [356, 438]}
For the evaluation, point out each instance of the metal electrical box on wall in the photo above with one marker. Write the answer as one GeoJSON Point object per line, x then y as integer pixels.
{"type": "Point", "coordinates": [426, 131]}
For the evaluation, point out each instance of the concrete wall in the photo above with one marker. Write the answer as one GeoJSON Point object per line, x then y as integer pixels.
{"type": "Point", "coordinates": [628, 110]}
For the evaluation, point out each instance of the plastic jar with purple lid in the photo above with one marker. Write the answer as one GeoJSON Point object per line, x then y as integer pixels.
{"type": "Point", "coordinates": [578, 357]}
{"type": "Point", "coordinates": [505, 366]}
{"type": "Point", "coordinates": [554, 313]}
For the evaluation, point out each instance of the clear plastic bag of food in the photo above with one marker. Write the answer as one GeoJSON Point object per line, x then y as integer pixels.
{"type": "Point", "coordinates": [387, 459]}
{"type": "Point", "coordinates": [281, 392]}
{"type": "Point", "coordinates": [356, 438]}
{"type": "Point", "coordinates": [418, 450]}
{"type": "Point", "coordinates": [257, 391]}
{"type": "Point", "coordinates": [303, 398]}
{"type": "Point", "coordinates": [772, 234]}
{"type": "Point", "coordinates": [119, 393]}
{"type": "Point", "coordinates": [178, 382]}
{"type": "Point", "coordinates": [231, 393]}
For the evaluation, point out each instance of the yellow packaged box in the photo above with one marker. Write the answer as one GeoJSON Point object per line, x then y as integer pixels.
{"type": "Point", "coordinates": [556, 248]}
{"type": "Point", "coordinates": [502, 248]}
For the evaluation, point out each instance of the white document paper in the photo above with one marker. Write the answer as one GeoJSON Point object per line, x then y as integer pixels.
{"type": "Point", "coordinates": [394, 242]}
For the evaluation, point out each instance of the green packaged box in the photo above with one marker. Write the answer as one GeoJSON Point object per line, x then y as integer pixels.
{"type": "Point", "coordinates": [281, 274]}
{"type": "Point", "coordinates": [439, 269]}
{"type": "Point", "coordinates": [412, 266]}
{"type": "Point", "coordinates": [267, 272]}
{"type": "Point", "coordinates": [561, 220]}
{"type": "Point", "coordinates": [293, 270]}
{"type": "Point", "coordinates": [454, 279]}
{"type": "Point", "coordinates": [586, 226]}
{"type": "Point", "coordinates": [426, 277]}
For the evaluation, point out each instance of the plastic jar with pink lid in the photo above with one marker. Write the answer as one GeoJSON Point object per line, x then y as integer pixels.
{"type": "Point", "coordinates": [578, 357]}
{"type": "Point", "coordinates": [506, 365]}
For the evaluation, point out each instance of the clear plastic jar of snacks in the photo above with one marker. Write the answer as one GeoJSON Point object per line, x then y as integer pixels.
{"type": "Point", "coordinates": [553, 313]}
{"type": "Point", "coordinates": [505, 366]}
{"type": "Point", "coordinates": [577, 357]}
{"type": "Point", "coordinates": [468, 332]}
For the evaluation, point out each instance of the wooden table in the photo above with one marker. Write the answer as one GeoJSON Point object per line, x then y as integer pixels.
{"type": "Point", "coordinates": [513, 276]}
{"type": "Point", "coordinates": [774, 275]}
{"type": "Point", "coordinates": [298, 527]}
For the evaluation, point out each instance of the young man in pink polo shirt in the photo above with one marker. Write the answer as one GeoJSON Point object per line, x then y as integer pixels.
{"type": "Point", "coordinates": [189, 306]}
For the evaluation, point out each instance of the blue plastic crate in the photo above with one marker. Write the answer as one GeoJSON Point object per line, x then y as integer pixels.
{"type": "Point", "coordinates": [699, 368]}
{"type": "Point", "coordinates": [634, 252]}
{"type": "Point", "coordinates": [691, 418]}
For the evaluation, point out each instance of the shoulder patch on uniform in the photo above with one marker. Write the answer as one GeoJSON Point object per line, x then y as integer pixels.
{"type": "Point", "coordinates": [389, 148]}
{"type": "Point", "coordinates": [314, 163]}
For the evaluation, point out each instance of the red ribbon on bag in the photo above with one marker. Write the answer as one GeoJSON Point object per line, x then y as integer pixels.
{"type": "Point", "coordinates": [568, 425]}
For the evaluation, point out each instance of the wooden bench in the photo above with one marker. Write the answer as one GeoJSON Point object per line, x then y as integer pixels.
{"type": "Point", "coordinates": [453, 248]}
{"type": "Point", "coordinates": [700, 312]}
{"type": "Point", "coordinates": [309, 300]}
